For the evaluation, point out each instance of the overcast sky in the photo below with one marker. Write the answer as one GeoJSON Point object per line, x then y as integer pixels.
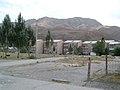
{"type": "Point", "coordinates": [106, 12]}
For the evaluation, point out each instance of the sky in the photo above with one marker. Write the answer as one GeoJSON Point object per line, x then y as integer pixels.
{"type": "Point", "coordinates": [106, 12]}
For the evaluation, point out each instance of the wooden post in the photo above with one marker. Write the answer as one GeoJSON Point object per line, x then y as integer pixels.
{"type": "Point", "coordinates": [106, 59]}
{"type": "Point", "coordinates": [106, 64]}
{"type": "Point", "coordinates": [89, 68]}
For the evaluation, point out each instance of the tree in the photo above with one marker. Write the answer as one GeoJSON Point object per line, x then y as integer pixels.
{"type": "Point", "coordinates": [19, 34]}
{"type": "Point", "coordinates": [99, 47]}
{"type": "Point", "coordinates": [78, 50]}
{"type": "Point", "coordinates": [29, 39]}
{"type": "Point", "coordinates": [70, 49]}
{"type": "Point", "coordinates": [1, 40]}
{"type": "Point", "coordinates": [6, 34]}
{"type": "Point", "coordinates": [116, 51]}
{"type": "Point", "coordinates": [49, 41]}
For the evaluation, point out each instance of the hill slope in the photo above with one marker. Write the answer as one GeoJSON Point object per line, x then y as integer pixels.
{"type": "Point", "coordinates": [74, 28]}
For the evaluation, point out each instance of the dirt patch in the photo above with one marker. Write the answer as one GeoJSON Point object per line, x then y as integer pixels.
{"type": "Point", "coordinates": [111, 78]}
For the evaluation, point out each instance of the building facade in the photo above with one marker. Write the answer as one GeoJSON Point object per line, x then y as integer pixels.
{"type": "Point", "coordinates": [71, 43]}
{"type": "Point", "coordinates": [39, 46]}
{"type": "Point", "coordinates": [62, 47]}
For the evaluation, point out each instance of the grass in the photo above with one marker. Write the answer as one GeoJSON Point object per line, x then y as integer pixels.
{"type": "Point", "coordinates": [78, 61]}
{"type": "Point", "coordinates": [72, 58]}
{"type": "Point", "coordinates": [110, 78]}
{"type": "Point", "coordinates": [13, 56]}
{"type": "Point", "coordinates": [60, 81]}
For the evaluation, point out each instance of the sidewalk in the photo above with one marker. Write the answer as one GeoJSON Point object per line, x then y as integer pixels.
{"type": "Point", "coordinates": [14, 83]}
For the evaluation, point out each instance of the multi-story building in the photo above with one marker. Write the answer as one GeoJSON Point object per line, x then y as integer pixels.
{"type": "Point", "coordinates": [67, 44]}
{"type": "Point", "coordinates": [112, 45]}
{"type": "Point", "coordinates": [62, 47]}
{"type": "Point", "coordinates": [57, 45]}
{"type": "Point", "coordinates": [39, 46]}
{"type": "Point", "coordinates": [87, 47]}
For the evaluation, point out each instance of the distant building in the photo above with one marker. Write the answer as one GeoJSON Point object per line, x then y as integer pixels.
{"type": "Point", "coordinates": [87, 47]}
{"type": "Point", "coordinates": [112, 45]}
{"type": "Point", "coordinates": [39, 46]}
{"type": "Point", "coordinates": [57, 45]}
{"type": "Point", "coordinates": [62, 47]}
{"type": "Point", "coordinates": [72, 43]}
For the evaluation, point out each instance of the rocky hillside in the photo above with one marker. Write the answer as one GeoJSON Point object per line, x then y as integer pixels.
{"type": "Point", "coordinates": [72, 23]}
{"type": "Point", "coordinates": [74, 28]}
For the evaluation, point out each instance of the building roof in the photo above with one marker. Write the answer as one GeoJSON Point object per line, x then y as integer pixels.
{"type": "Point", "coordinates": [39, 40]}
{"type": "Point", "coordinates": [88, 42]}
{"type": "Point", "coordinates": [57, 40]}
{"type": "Point", "coordinates": [114, 43]}
{"type": "Point", "coordinates": [77, 41]}
{"type": "Point", "coordinates": [109, 41]}
{"type": "Point", "coordinates": [72, 41]}
{"type": "Point", "coordinates": [93, 42]}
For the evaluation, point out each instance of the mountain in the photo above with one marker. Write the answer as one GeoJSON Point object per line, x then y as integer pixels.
{"type": "Point", "coordinates": [74, 28]}
{"type": "Point", "coordinates": [112, 31]}
{"type": "Point", "coordinates": [72, 23]}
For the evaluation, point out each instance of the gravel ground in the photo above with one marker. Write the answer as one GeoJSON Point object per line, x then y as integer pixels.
{"type": "Point", "coordinates": [47, 71]}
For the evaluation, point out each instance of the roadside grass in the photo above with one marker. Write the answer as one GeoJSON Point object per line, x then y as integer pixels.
{"type": "Point", "coordinates": [13, 56]}
{"type": "Point", "coordinates": [72, 59]}
{"type": "Point", "coordinates": [77, 61]}
{"type": "Point", "coordinates": [110, 78]}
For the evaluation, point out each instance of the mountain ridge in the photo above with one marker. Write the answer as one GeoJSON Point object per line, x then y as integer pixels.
{"type": "Point", "coordinates": [70, 22]}
{"type": "Point", "coordinates": [74, 28]}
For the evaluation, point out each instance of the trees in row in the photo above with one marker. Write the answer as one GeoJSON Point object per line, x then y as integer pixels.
{"type": "Point", "coordinates": [16, 35]}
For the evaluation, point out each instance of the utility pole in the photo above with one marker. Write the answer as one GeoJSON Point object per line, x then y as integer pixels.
{"type": "Point", "coordinates": [36, 39]}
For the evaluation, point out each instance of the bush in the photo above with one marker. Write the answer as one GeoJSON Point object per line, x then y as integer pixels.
{"type": "Point", "coordinates": [116, 51]}
{"type": "Point", "coordinates": [32, 57]}
{"type": "Point", "coordinates": [23, 50]}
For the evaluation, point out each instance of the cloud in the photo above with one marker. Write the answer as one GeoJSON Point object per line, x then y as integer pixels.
{"type": "Point", "coordinates": [105, 11]}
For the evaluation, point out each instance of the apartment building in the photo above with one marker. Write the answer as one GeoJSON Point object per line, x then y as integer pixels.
{"type": "Point", "coordinates": [87, 47]}
{"type": "Point", "coordinates": [114, 44]}
{"type": "Point", "coordinates": [61, 47]}
{"type": "Point", "coordinates": [72, 43]}
{"type": "Point", "coordinates": [39, 46]}
{"type": "Point", "coordinates": [57, 45]}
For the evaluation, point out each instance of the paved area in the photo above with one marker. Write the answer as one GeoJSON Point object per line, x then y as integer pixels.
{"type": "Point", "coordinates": [30, 71]}
{"type": "Point", "coordinates": [14, 83]}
